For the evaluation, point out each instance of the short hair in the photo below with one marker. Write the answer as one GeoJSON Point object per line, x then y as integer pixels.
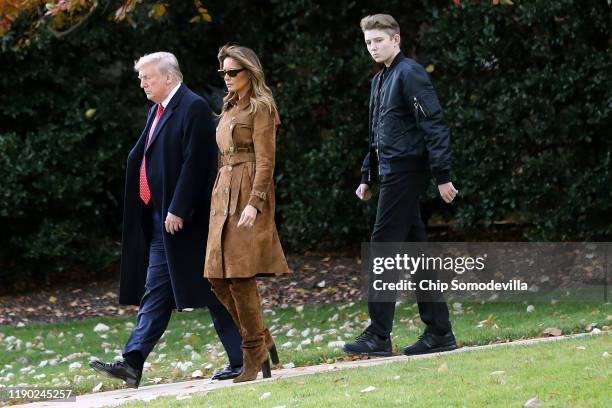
{"type": "Point", "coordinates": [165, 62]}
{"type": "Point", "coordinates": [383, 22]}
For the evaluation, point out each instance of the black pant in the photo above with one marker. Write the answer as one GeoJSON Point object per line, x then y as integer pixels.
{"type": "Point", "coordinates": [398, 219]}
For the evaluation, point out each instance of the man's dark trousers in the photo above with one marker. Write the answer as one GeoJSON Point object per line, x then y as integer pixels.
{"type": "Point", "coordinates": [158, 301]}
{"type": "Point", "coordinates": [398, 219]}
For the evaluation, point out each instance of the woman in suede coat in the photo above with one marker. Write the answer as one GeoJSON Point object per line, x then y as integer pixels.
{"type": "Point", "coordinates": [242, 237]}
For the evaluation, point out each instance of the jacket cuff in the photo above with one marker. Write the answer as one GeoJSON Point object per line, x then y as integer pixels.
{"type": "Point", "coordinates": [442, 176]}
{"type": "Point", "coordinates": [364, 179]}
{"type": "Point", "coordinates": [257, 199]}
{"type": "Point", "coordinates": [183, 214]}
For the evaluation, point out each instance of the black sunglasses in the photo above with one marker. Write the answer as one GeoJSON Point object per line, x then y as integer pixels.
{"type": "Point", "coordinates": [231, 72]}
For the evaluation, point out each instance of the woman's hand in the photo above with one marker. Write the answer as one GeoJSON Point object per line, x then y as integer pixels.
{"type": "Point", "coordinates": [247, 218]}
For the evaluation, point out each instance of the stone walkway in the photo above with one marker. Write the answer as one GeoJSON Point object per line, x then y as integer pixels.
{"type": "Point", "coordinates": [151, 392]}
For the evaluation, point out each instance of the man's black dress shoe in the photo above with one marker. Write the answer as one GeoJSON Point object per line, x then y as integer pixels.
{"type": "Point", "coordinates": [227, 373]}
{"type": "Point", "coordinates": [120, 370]}
{"type": "Point", "coordinates": [432, 343]}
{"type": "Point", "coordinates": [369, 344]}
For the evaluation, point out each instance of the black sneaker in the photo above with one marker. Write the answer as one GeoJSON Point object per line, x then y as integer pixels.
{"type": "Point", "coordinates": [227, 373]}
{"type": "Point", "coordinates": [369, 344]}
{"type": "Point", "coordinates": [120, 370]}
{"type": "Point", "coordinates": [432, 343]}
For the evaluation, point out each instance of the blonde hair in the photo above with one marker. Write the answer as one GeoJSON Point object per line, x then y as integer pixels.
{"type": "Point", "coordinates": [261, 95]}
{"type": "Point", "coordinates": [383, 22]}
{"type": "Point", "coordinates": [165, 62]}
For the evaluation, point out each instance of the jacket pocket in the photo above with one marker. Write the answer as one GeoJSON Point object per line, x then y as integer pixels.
{"type": "Point", "coordinates": [235, 186]}
{"type": "Point", "coordinates": [242, 132]}
{"type": "Point", "coordinates": [427, 103]}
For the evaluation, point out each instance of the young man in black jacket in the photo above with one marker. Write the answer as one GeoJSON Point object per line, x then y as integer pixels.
{"type": "Point", "coordinates": [409, 141]}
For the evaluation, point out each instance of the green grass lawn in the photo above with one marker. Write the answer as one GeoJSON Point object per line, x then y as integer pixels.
{"type": "Point", "coordinates": [569, 373]}
{"type": "Point", "coordinates": [57, 354]}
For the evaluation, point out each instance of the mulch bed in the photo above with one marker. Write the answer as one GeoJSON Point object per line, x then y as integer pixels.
{"type": "Point", "coordinates": [316, 279]}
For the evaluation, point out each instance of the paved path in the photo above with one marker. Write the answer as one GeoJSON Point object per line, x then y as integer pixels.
{"type": "Point", "coordinates": [150, 392]}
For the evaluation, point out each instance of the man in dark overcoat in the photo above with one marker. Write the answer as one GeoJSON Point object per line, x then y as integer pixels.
{"type": "Point", "coordinates": [169, 178]}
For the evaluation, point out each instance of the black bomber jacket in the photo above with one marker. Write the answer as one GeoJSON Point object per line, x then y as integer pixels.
{"type": "Point", "coordinates": [412, 132]}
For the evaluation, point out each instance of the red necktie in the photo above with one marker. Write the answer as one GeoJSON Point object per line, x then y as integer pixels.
{"type": "Point", "coordinates": [145, 192]}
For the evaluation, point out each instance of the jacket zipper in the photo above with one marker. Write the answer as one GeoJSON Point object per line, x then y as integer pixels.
{"type": "Point", "coordinates": [417, 105]}
{"type": "Point", "coordinates": [377, 155]}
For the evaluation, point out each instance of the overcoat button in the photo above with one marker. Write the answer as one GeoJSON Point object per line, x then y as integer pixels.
{"type": "Point", "coordinates": [230, 167]}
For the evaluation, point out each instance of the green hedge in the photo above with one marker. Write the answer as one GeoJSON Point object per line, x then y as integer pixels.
{"type": "Point", "coordinates": [526, 89]}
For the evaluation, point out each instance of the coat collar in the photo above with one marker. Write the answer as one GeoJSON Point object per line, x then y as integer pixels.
{"type": "Point", "coordinates": [173, 92]}
{"type": "Point", "coordinates": [400, 56]}
{"type": "Point", "coordinates": [167, 113]}
{"type": "Point", "coordinates": [243, 102]}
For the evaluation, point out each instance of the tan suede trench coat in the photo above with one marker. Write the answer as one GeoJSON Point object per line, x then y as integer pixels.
{"type": "Point", "coordinates": [247, 147]}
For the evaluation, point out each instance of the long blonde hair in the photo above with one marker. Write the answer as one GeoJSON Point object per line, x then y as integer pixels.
{"type": "Point", "coordinates": [261, 95]}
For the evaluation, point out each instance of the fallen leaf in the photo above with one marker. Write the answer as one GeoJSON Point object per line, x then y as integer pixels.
{"type": "Point", "coordinates": [101, 327]}
{"type": "Point", "coordinates": [552, 331]}
{"type": "Point", "coordinates": [443, 368]}
{"type": "Point", "coordinates": [176, 373]}
{"type": "Point", "coordinates": [487, 321]}
{"type": "Point", "coordinates": [335, 344]}
{"type": "Point", "coordinates": [75, 366]}
{"type": "Point", "coordinates": [534, 402]}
